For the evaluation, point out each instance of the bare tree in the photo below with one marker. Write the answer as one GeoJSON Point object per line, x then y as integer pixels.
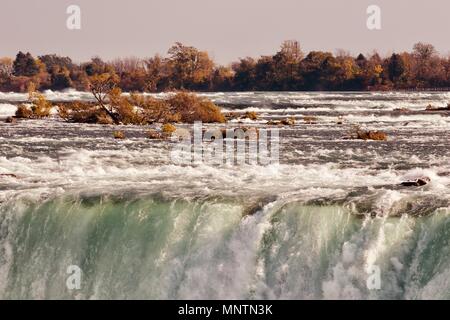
{"type": "Point", "coordinates": [101, 86]}
{"type": "Point", "coordinates": [6, 67]}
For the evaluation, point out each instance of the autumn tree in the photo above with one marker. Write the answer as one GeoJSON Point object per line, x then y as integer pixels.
{"type": "Point", "coordinates": [319, 70]}
{"type": "Point", "coordinates": [348, 72]}
{"type": "Point", "coordinates": [131, 72]}
{"type": "Point", "coordinates": [427, 68]}
{"type": "Point", "coordinates": [191, 68]}
{"type": "Point", "coordinates": [286, 62]}
{"type": "Point", "coordinates": [6, 67]}
{"type": "Point", "coordinates": [371, 71]}
{"type": "Point", "coordinates": [244, 74]}
{"type": "Point", "coordinates": [101, 86]}
{"type": "Point", "coordinates": [222, 79]}
{"type": "Point", "coordinates": [6, 71]}
{"type": "Point", "coordinates": [127, 65]}
{"type": "Point", "coordinates": [158, 74]}
{"type": "Point", "coordinates": [424, 51]}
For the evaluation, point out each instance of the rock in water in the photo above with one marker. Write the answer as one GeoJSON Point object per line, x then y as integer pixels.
{"type": "Point", "coordinates": [419, 182]}
{"type": "Point", "coordinates": [9, 175]}
{"type": "Point", "coordinates": [11, 120]}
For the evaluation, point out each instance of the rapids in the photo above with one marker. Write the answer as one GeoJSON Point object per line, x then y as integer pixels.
{"type": "Point", "coordinates": [312, 226]}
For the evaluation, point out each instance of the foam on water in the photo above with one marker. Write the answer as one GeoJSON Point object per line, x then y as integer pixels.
{"type": "Point", "coordinates": [178, 249]}
{"type": "Point", "coordinates": [7, 110]}
{"type": "Point", "coordinates": [140, 226]}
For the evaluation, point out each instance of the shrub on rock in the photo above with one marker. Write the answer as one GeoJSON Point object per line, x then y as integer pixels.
{"type": "Point", "coordinates": [168, 129]}
{"type": "Point", "coordinates": [154, 135]}
{"type": "Point", "coordinates": [24, 112]}
{"type": "Point", "coordinates": [288, 122]}
{"type": "Point", "coordinates": [310, 119]}
{"type": "Point", "coordinates": [362, 134]}
{"type": "Point", "coordinates": [372, 135]}
{"type": "Point", "coordinates": [192, 108]}
{"type": "Point", "coordinates": [251, 115]}
{"type": "Point", "coordinates": [154, 110]}
{"type": "Point", "coordinates": [119, 135]}
{"type": "Point", "coordinates": [231, 116]}
{"type": "Point", "coordinates": [83, 112]}
{"type": "Point", "coordinates": [39, 108]}
{"type": "Point", "coordinates": [141, 110]}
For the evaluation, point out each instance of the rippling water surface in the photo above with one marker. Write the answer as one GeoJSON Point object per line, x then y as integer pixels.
{"type": "Point", "coordinates": [310, 227]}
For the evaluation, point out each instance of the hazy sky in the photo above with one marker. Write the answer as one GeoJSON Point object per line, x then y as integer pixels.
{"type": "Point", "coordinates": [227, 29]}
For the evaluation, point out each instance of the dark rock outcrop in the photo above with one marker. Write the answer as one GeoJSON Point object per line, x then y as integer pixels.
{"type": "Point", "coordinates": [419, 182]}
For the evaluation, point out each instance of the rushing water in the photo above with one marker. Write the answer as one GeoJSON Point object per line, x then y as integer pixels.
{"type": "Point", "coordinates": [310, 227]}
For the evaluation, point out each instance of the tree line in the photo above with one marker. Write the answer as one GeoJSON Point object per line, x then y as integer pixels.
{"type": "Point", "coordinates": [187, 68]}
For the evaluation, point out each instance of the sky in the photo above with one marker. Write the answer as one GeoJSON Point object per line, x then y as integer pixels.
{"type": "Point", "coordinates": [227, 29]}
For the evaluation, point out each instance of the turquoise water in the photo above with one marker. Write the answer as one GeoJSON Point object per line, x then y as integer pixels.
{"type": "Point", "coordinates": [157, 248]}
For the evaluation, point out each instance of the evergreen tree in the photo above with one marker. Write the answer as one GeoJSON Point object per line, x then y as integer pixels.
{"type": "Point", "coordinates": [25, 65]}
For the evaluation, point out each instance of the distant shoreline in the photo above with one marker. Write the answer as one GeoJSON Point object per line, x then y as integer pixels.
{"type": "Point", "coordinates": [191, 69]}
